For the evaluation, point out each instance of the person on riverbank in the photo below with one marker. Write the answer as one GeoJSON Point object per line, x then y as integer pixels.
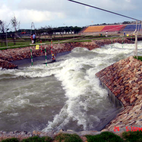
{"type": "Point", "coordinates": [106, 33]}
{"type": "Point", "coordinates": [124, 34]}
{"type": "Point", "coordinates": [34, 38]}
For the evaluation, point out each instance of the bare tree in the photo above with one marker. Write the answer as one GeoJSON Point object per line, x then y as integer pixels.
{"type": "Point", "coordinates": [3, 30]}
{"type": "Point", "coordinates": [50, 31]}
{"type": "Point", "coordinates": [15, 24]}
{"type": "Point", "coordinates": [1, 26]}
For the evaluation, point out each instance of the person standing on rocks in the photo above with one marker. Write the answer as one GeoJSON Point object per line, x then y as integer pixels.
{"type": "Point", "coordinates": [34, 38]}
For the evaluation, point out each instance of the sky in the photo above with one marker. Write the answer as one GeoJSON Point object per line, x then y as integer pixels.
{"type": "Point", "coordinates": [56, 13]}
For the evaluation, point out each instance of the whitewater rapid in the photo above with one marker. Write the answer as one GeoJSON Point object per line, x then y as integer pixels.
{"type": "Point", "coordinates": [62, 95]}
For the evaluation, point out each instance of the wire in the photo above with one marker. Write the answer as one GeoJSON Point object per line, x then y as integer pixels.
{"type": "Point", "coordinates": [104, 10]}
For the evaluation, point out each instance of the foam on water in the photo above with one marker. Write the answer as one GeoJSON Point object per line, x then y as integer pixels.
{"type": "Point", "coordinates": [85, 105]}
{"type": "Point", "coordinates": [80, 82]}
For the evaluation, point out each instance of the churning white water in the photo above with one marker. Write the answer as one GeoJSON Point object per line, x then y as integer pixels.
{"type": "Point", "coordinates": [62, 95]}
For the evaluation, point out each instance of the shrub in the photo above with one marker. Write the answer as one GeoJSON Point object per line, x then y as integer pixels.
{"type": "Point", "coordinates": [68, 138]}
{"type": "Point", "coordinates": [104, 137]}
{"type": "Point", "coordinates": [132, 136]}
{"type": "Point", "coordinates": [139, 58]}
{"type": "Point", "coordinates": [37, 139]}
{"type": "Point", "coordinates": [10, 140]}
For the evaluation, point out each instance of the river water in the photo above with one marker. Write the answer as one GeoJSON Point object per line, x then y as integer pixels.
{"type": "Point", "coordinates": [63, 95]}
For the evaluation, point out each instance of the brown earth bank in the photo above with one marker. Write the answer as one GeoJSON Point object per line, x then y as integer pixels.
{"type": "Point", "coordinates": [10, 55]}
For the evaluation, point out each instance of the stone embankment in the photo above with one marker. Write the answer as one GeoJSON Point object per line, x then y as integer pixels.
{"type": "Point", "coordinates": [7, 65]}
{"type": "Point", "coordinates": [9, 55]}
{"type": "Point", "coordinates": [124, 80]}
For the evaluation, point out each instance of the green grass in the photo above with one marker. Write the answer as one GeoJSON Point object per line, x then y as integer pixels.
{"type": "Point", "coordinates": [104, 137]}
{"type": "Point", "coordinates": [22, 46]}
{"type": "Point", "coordinates": [87, 40]}
{"type": "Point", "coordinates": [18, 42]}
{"type": "Point", "coordinates": [68, 138]}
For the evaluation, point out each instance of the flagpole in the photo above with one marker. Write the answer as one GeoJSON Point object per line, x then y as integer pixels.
{"type": "Point", "coordinates": [31, 56]}
{"type": "Point", "coordinates": [45, 56]}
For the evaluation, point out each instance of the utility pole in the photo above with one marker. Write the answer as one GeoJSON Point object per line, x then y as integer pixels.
{"type": "Point", "coordinates": [6, 39]}
{"type": "Point", "coordinates": [33, 26]}
{"type": "Point", "coordinates": [136, 30]}
{"type": "Point", "coordinates": [6, 36]}
{"type": "Point", "coordinates": [136, 39]}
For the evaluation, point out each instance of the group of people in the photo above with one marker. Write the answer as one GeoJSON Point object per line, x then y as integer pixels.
{"type": "Point", "coordinates": [33, 38]}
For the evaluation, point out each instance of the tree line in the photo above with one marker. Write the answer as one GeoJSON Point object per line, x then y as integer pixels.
{"type": "Point", "coordinates": [18, 33]}
{"type": "Point", "coordinates": [47, 30]}
{"type": "Point", "coordinates": [4, 30]}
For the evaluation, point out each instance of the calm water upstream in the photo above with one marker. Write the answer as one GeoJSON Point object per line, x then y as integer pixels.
{"type": "Point", "coordinates": [62, 95]}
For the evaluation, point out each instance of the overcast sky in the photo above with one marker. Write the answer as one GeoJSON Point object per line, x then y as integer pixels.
{"type": "Point", "coordinates": [57, 13]}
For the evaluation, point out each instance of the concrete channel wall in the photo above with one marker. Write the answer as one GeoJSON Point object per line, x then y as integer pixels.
{"type": "Point", "coordinates": [117, 103]}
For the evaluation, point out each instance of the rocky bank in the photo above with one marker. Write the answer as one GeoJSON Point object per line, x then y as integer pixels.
{"type": "Point", "coordinates": [124, 80]}
{"type": "Point", "coordinates": [9, 55]}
